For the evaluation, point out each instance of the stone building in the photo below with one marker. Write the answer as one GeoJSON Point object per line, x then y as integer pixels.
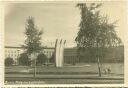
{"type": "Point", "coordinates": [14, 52]}
{"type": "Point", "coordinates": [70, 54]}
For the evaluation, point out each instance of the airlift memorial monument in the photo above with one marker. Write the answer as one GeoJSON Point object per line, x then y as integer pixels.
{"type": "Point", "coordinates": [59, 52]}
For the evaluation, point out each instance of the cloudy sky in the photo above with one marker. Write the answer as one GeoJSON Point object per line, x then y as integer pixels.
{"type": "Point", "coordinates": [57, 19]}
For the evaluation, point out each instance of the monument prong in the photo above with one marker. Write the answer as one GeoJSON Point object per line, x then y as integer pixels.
{"type": "Point", "coordinates": [59, 50]}
{"type": "Point", "coordinates": [55, 51]}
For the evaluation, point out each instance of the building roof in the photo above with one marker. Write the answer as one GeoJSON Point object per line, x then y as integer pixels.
{"type": "Point", "coordinates": [43, 47]}
{"type": "Point", "coordinates": [22, 47]}
{"type": "Point", "coordinates": [13, 47]}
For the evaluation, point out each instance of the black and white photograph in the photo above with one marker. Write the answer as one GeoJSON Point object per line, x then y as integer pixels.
{"type": "Point", "coordinates": [64, 42]}
{"type": "Point", "coordinates": [66, 87]}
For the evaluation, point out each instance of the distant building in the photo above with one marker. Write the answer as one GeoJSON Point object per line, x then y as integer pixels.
{"type": "Point", "coordinates": [14, 52]}
{"type": "Point", "coordinates": [70, 54]}
{"type": "Point", "coordinates": [48, 51]}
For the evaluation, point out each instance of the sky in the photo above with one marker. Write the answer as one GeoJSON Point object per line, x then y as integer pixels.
{"type": "Point", "coordinates": [58, 20]}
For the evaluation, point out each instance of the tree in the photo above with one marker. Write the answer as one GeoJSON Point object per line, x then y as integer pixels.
{"type": "Point", "coordinates": [9, 61]}
{"type": "Point", "coordinates": [32, 41]}
{"type": "Point", "coordinates": [33, 37]}
{"type": "Point", "coordinates": [24, 60]}
{"type": "Point", "coordinates": [41, 59]}
{"type": "Point", "coordinates": [95, 32]}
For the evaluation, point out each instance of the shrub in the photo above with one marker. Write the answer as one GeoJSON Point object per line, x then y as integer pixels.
{"type": "Point", "coordinates": [41, 59]}
{"type": "Point", "coordinates": [9, 61]}
{"type": "Point", "coordinates": [24, 60]}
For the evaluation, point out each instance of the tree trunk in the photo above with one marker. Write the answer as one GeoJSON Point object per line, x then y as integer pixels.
{"type": "Point", "coordinates": [98, 61]}
{"type": "Point", "coordinates": [34, 69]}
{"type": "Point", "coordinates": [99, 67]}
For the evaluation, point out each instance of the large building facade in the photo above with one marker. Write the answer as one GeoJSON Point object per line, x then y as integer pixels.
{"type": "Point", "coordinates": [14, 52]}
{"type": "Point", "coordinates": [70, 54]}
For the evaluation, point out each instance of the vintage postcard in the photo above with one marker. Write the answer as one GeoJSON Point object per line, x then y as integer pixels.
{"type": "Point", "coordinates": [64, 42]}
{"type": "Point", "coordinates": [71, 87]}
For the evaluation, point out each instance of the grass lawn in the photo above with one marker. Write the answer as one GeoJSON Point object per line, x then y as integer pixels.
{"type": "Point", "coordinates": [116, 68]}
